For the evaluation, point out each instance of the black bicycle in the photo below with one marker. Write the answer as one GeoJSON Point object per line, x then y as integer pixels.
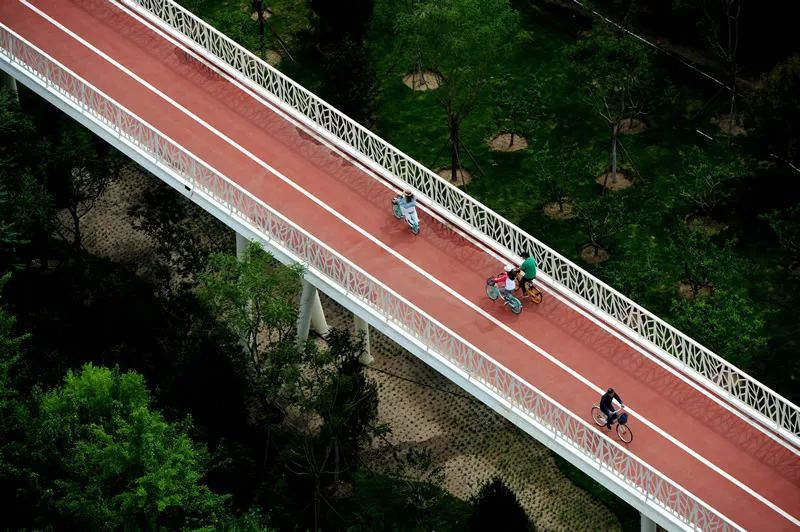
{"type": "Point", "coordinates": [623, 430]}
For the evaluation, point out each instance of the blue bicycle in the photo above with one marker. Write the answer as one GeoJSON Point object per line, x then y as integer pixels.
{"type": "Point", "coordinates": [508, 299]}
{"type": "Point", "coordinates": [398, 213]}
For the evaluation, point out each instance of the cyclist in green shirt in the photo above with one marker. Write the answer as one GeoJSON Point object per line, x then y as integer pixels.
{"type": "Point", "coordinates": [528, 268]}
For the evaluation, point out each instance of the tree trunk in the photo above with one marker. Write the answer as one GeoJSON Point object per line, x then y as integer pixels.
{"type": "Point", "coordinates": [258, 7]}
{"type": "Point", "coordinates": [614, 134]}
{"type": "Point", "coordinates": [76, 228]}
{"type": "Point", "coordinates": [511, 142]}
{"type": "Point", "coordinates": [455, 146]}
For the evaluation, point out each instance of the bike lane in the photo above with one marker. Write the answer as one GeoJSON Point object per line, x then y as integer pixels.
{"type": "Point", "coordinates": [438, 250]}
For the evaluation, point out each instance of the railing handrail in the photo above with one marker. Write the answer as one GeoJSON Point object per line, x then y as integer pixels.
{"type": "Point", "coordinates": [672, 345]}
{"type": "Point", "coordinates": [658, 489]}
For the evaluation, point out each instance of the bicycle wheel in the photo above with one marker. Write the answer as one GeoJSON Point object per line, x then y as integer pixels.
{"type": "Point", "coordinates": [415, 229]}
{"type": "Point", "coordinates": [397, 211]}
{"type": "Point", "coordinates": [534, 294]}
{"type": "Point", "coordinates": [492, 291]}
{"type": "Point", "coordinates": [515, 305]}
{"type": "Point", "coordinates": [598, 416]}
{"type": "Point", "coordinates": [624, 433]}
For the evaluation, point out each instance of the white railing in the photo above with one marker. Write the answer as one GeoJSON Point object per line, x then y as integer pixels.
{"type": "Point", "coordinates": [772, 409]}
{"type": "Point", "coordinates": [574, 433]}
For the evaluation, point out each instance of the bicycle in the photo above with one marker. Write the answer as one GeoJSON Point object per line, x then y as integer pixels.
{"type": "Point", "coordinates": [508, 299]}
{"type": "Point", "coordinates": [398, 213]}
{"type": "Point", "coordinates": [623, 430]}
{"type": "Point", "coordinates": [533, 294]}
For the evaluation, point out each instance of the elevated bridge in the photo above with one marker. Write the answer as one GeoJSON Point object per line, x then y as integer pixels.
{"type": "Point", "coordinates": [714, 448]}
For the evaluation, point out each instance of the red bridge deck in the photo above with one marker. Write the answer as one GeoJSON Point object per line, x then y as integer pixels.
{"type": "Point", "coordinates": [734, 467]}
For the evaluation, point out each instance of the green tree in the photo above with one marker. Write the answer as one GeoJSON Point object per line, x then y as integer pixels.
{"type": "Point", "coordinates": [707, 181]}
{"type": "Point", "coordinates": [601, 218]}
{"type": "Point", "coordinates": [462, 41]}
{"type": "Point", "coordinates": [334, 411]}
{"type": "Point", "coordinates": [255, 299]}
{"type": "Point", "coordinates": [723, 18]}
{"type": "Point", "coordinates": [344, 19]}
{"type": "Point", "coordinates": [25, 208]}
{"type": "Point", "coordinates": [727, 323]}
{"type": "Point", "coordinates": [109, 461]}
{"type": "Point", "coordinates": [12, 411]}
{"type": "Point", "coordinates": [559, 172]}
{"type": "Point", "coordinates": [515, 107]}
{"type": "Point", "coordinates": [496, 503]}
{"type": "Point", "coordinates": [620, 79]}
{"type": "Point", "coordinates": [83, 168]}
{"type": "Point", "coordinates": [776, 109]}
{"type": "Point", "coordinates": [705, 266]}
{"type": "Point", "coordinates": [348, 80]}
{"type": "Point", "coordinates": [182, 236]}
{"type": "Point", "coordinates": [786, 224]}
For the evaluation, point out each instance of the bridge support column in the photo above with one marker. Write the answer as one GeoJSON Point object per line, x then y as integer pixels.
{"type": "Point", "coordinates": [241, 246]}
{"type": "Point", "coordinates": [311, 314]}
{"type": "Point", "coordinates": [647, 524]}
{"type": "Point", "coordinates": [10, 83]}
{"type": "Point", "coordinates": [362, 328]}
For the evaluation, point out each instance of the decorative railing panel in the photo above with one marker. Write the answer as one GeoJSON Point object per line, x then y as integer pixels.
{"type": "Point", "coordinates": [539, 409]}
{"type": "Point", "coordinates": [782, 414]}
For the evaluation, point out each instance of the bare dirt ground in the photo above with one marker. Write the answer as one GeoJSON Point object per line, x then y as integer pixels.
{"type": "Point", "coordinates": [425, 80]}
{"type": "Point", "coordinates": [503, 142]}
{"type": "Point", "coordinates": [470, 441]}
{"type": "Point", "coordinates": [623, 180]}
{"type": "Point", "coordinates": [463, 176]}
{"type": "Point", "coordinates": [565, 211]}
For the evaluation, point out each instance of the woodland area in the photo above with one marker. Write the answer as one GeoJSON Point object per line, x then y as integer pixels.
{"type": "Point", "coordinates": [180, 398]}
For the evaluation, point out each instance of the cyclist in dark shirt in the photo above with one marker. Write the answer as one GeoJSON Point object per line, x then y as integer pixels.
{"type": "Point", "coordinates": [607, 406]}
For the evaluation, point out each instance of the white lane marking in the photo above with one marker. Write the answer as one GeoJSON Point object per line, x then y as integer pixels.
{"type": "Point", "coordinates": [477, 243]}
{"type": "Point", "coordinates": [408, 263]}
{"type": "Point", "coordinates": [275, 107]}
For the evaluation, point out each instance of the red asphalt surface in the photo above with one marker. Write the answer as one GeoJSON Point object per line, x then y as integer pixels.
{"type": "Point", "coordinates": [754, 461]}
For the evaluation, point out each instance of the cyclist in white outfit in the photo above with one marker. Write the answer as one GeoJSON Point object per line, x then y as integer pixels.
{"type": "Point", "coordinates": [409, 205]}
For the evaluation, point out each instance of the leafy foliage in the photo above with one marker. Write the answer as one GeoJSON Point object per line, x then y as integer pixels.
{"type": "Point", "coordinates": [25, 207]}
{"type": "Point", "coordinates": [621, 81]}
{"type": "Point", "coordinates": [496, 503]}
{"type": "Point", "coordinates": [786, 224]}
{"type": "Point", "coordinates": [708, 180]}
{"type": "Point", "coordinates": [462, 41]}
{"type": "Point", "coordinates": [728, 324]}
{"type": "Point", "coordinates": [107, 460]}
{"type": "Point", "coordinates": [255, 300]}
{"type": "Point", "coordinates": [83, 168]}
{"type": "Point", "coordinates": [181, 241]}
{"type": "Point", "coordinates": [343, 20]}
{"type": "Point", "coordinates": [515, 107]}
{"type": "Point", "coordinates": [776, 108]}
{"type": "Point", "coordinates": [348, 80]}
{"type": "Point", "coordinates": [601, 219]}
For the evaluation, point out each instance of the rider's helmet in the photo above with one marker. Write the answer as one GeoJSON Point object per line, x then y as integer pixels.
{"type": "Point", "coordinates": [408, 193]}
{"type": "Point", "coordinates": [508, 268]}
